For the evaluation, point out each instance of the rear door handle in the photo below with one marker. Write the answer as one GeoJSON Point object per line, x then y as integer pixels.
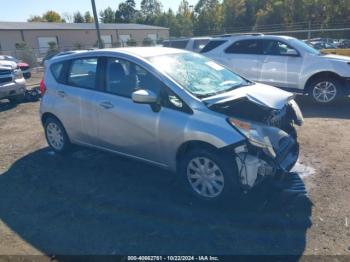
{"type": "Point", "coordinates": [61, 93]}
{"type": "Point", "coordinates": [106, 105]}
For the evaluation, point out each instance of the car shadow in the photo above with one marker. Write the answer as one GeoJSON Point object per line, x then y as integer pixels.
{"type": "Point", "coordinates": [91, 202]}
{"type": "Point", "coordinates": [6, 105]}
{"type": "Point", "coordinates": [338, 110]}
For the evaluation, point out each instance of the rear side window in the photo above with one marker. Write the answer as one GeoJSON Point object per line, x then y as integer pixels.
{"type": "Point", "coordinates": [198, 45]}
{"type": "Point", "coordinates": [251, 47]}
{"type": "Point", "coordinates": [56, 70]}
{"type": "Point", "coordinates": [212, 45]}
{"type": "Point", "coordinates": [180, 44]}
{"type": "Point", "coordinates": [82, 73]}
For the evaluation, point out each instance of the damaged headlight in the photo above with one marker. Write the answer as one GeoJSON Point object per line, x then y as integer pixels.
{"type": "Point", "coordinates": [255, 135]}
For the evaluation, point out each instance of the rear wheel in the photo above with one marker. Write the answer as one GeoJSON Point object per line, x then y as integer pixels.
{"type": "Point", "coordinates": [209, 175]}
{"type": "Point", "coordinates": [325, 90]}
{"type": "Point", "coordinates": [56, 135]}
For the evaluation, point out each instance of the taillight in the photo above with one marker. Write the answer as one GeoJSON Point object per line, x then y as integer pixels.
{"type": "Point", "coordinates": [42, 87]}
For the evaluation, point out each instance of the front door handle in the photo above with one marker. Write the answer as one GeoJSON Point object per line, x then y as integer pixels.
{"type": "Point", "coordinates": [61, 93]}
{"type": "Point", "coordinates": [106, 105]}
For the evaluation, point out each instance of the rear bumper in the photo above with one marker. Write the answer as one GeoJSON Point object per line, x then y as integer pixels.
{"type": "Point", "coordinates": [12, 89]}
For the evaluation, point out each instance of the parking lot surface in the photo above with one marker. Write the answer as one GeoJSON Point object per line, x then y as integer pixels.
{"type": "Point", "coordinates": [90, 202]}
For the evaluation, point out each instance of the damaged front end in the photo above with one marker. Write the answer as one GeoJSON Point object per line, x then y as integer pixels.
{"type": "Point", "coordinates": [271, 146]}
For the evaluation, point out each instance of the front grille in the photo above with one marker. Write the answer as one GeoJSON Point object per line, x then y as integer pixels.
{"type": "Point", "coordinates": [5, 80]}
{"type": "Point", "coordinates": [5, 76]}
{"type": "Point", "coordinates": [5, 72]}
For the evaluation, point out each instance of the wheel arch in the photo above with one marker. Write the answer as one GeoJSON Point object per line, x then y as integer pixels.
{"type": "Point", "coordinates": [46, 115]}
{"type": "Point", "coordinates": [325, 74]}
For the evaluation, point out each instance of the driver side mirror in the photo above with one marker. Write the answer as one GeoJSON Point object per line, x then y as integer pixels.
{"type": "Point", "coordinates": [144, 96]}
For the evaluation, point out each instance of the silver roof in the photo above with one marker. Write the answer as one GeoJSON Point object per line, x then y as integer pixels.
{"type": "Point", "coordinates": [72, 26]}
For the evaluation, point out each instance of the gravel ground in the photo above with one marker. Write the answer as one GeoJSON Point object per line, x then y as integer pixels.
{"type": "Point", "coordinates": [91, 202]}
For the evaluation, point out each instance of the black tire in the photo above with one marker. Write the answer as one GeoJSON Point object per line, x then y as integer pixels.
{"type": "Point", "coordinates": [321, 81]}
{"type": "Point", "coordinates": [231, 190]}
{"type": "Point", "coordinates": [65, 139]}
{"type": "Point", "coordinates": [16, 99]}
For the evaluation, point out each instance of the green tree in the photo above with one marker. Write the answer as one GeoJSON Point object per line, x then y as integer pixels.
{"type": "Point", "coordinates": [25, 53]}
{"type": "Point", "coordinates": [88, 18]}
{"type": "Point", "coordinates": [147, 42]}
{"type": "Point", "coordinates": [78, 18]}
{"type": "Point", "coordinates": [184, 9]}
{"type": "Point", "coordinates": [234, 14]}
{"type": "Point", "coordinates": [208, 18]}
{"type": "Point", "coordinates": [52, 16]}
{"type": "Point", "coordinates": [126, 12]}
{"type": "Point", "coordinates": [150, 10]}
{"type": "Point", "coordinates": [131, 42]}
{"type": "Point", "coordinates": [107, 15]}
{"type": "Point", "coordinates": [35, 18]}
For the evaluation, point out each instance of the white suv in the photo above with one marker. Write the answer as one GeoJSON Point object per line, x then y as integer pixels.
{"type": "Point", "coordinates": [12, 83]}
{"type": "Point", "coordinates": [284, 62]}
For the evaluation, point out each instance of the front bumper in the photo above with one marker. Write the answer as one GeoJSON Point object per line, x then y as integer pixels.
{"type": "Point", "coordinates": [12, 89]}
{"type": "Point", "coordinates": [255, 166]}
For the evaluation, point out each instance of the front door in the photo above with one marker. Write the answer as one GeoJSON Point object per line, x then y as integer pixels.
{"type": "Point", "coordinates": [281, 65]}
{"type": "Point", "coordinates": [124, 126]}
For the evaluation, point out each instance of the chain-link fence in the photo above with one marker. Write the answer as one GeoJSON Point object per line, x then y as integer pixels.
{"type": "Point", "coordinates": [36, 56]}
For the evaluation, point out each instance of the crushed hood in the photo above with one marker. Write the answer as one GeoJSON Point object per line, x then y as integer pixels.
{"type": "Point", "coordinates": [261, 94]}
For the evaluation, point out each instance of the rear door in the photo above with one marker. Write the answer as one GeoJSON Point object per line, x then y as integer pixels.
{"type": "Point", "coordinates": [244, 58]}
{"type": "Point", "coordinates": [75, 99]}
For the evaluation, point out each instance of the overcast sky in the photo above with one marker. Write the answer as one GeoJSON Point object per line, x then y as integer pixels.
{"type": "Point", "coordinates": [21, 10]}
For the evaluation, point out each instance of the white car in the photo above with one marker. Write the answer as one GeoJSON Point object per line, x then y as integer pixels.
{"type": "Point", "coordinates": [284, 62]}
{"type": "Point", "coordinates": [194, 44]}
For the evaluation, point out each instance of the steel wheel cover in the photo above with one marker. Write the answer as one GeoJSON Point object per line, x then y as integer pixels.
{"type": "Point", "coordinates": [55, 136]}
{"type": "Point", "coordinates": [205, 177]}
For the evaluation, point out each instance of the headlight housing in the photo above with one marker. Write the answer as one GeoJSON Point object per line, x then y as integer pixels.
{"type": "Point", "coordinates": [17, 74]}
{"type": "Point", "coordinates": [254, 133]}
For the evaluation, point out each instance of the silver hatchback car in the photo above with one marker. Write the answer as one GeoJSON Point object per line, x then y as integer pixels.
{"type": "Point", "coordinates": [221, 133]}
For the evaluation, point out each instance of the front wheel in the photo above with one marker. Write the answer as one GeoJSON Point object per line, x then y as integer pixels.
{"type": "Point", "coordinates": [325, 91]}
{"type": "Point", "coordinates": [209, 175]}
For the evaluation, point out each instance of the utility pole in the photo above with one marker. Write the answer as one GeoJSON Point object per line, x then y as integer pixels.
{"type": "Point", "coordinates": [96, 24]}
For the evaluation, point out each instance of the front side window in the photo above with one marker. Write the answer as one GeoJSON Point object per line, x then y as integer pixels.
{"type": "Point", "coordinates": [197, 74]}
{"type": "Point", "coordinates": [275, 47]}
{"type": "Point", "coordinates": [251, 47]}
{"type": "Point", "coordinates": [82, 73]}
{"type": "Point", "coordinates": [124, 77]}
